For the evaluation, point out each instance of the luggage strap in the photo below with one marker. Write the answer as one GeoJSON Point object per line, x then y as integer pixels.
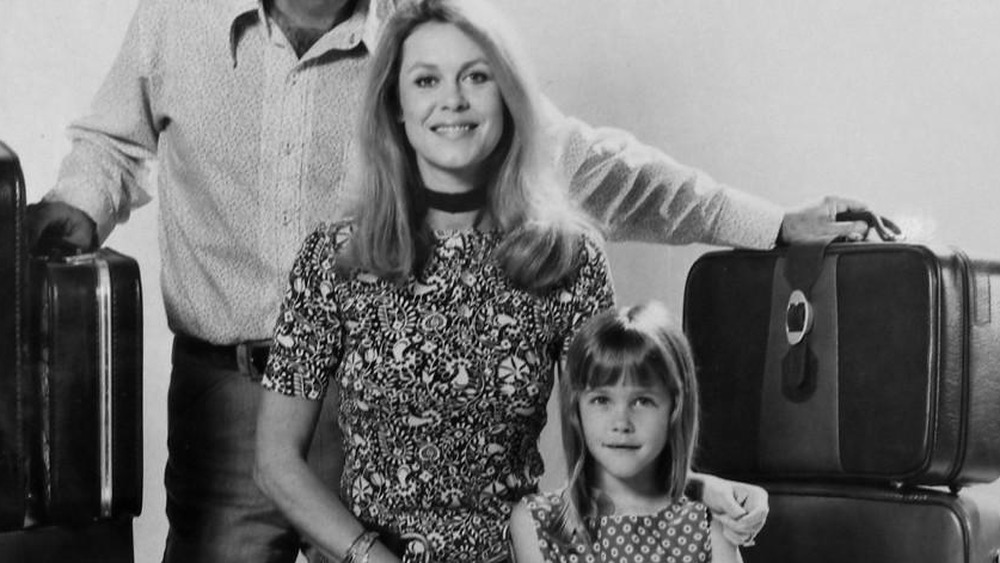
{"type": "Point", "coordinates": [803, 266]}
{"type": "Point", "coordinates": [800, 384]}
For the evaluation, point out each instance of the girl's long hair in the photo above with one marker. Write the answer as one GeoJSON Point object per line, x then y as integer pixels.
{"type": "Point", "coordinates": [525, 198]}
{"type": "Point", "coordinates": [639, 345]}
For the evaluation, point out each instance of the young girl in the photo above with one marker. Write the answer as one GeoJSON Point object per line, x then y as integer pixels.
{"type": "Point", "coordinates": [630, 422]}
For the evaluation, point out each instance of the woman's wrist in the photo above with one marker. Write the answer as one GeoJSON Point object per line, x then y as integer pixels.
{"type": "Point", "coordinates": [360, 547]}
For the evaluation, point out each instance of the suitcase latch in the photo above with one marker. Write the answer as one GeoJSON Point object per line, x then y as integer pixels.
{"type": "Point", "coordinates": [798, 317]}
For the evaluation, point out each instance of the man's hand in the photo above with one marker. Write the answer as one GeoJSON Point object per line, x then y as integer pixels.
{"type": "Point", "coordinates": [54, 226]}
{"type": "Point", "coordinates": [741, 508]}
{"type": "Point", "coordinates": [819, 222]}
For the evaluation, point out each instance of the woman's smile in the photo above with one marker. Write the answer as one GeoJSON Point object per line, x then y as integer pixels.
{"type": "Point", "coordinates": [454, 130]}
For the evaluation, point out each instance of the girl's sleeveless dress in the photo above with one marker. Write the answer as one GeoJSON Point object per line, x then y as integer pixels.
{"type": "Point", "coordinates": [678, 533]}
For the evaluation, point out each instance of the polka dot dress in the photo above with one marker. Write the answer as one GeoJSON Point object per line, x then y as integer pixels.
{"type": "Point", "coordinates": [677, 534]}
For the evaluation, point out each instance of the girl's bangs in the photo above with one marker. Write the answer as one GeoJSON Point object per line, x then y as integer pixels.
{"type": "Point", "coordinates": [646, 370]}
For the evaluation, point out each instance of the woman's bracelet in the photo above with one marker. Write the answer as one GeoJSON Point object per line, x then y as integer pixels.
{"type": "Point", "coordinates": [358, 552]}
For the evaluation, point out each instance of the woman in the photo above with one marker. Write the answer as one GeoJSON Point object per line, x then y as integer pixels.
{"type": "Point", "coordinates": [439, 311]}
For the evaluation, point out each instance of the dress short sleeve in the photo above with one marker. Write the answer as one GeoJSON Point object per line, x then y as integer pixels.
{"type": "Point", "coordinates": [306, 347]}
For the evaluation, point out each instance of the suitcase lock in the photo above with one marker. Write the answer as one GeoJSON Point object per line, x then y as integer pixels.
{"type": "Point", "coordinates": [798, 317]}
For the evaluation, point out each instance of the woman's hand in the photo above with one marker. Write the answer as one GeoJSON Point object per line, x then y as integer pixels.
{"type": "Point", "coordinates": [819, 222]}
{"type": "Point", "coordinates": [741, 508]}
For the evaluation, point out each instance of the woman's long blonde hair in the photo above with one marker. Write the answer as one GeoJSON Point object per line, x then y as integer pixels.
{"type": "Point", "coordinates": [525, 199]}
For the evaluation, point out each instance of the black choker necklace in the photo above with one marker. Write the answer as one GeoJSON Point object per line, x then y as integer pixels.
{"type": "Point", "coordinates": [455, 202]}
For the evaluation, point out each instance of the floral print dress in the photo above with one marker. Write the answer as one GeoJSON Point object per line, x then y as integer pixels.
{"type": "Point", "coordinates": [443, 381]}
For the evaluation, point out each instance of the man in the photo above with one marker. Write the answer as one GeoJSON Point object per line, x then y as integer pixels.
{"type": "Point", "coordinates": [249, 108]}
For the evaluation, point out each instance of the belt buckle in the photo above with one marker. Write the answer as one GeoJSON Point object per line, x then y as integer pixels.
{"type": "Point", "coordinates": [245, 358]}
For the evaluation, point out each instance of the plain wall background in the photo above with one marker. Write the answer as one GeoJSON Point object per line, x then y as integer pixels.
{"type": "Point", "coordinates": [896, 102]}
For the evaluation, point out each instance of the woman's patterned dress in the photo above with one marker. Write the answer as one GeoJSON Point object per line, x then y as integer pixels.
{"type": "Point", "coordinates": [678, 533]}
{"type": "Point", "coordinates": [443, 383]}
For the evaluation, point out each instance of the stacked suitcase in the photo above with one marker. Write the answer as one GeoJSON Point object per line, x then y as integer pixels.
{"type": "Point", "coordinates": [13, 382]}
{"type": "Point", "coordinates": [70, 396]}
{"type": "Point", "coordinates": [860, 384]}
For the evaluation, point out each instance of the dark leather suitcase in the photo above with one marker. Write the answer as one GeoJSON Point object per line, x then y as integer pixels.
{"type": "Point", "coordinates": [14, 383]}
{"type": "Point", "coordinates": [102, 541]}
{"type": "Point", "coordinates": [835, 524]}
{"type": "Point", "coordinates": [860, 361]}
{"type": "Point", "coordinates": [89, 373]}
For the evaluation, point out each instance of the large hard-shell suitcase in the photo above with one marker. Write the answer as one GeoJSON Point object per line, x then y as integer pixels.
{"type": "Point", "coordinates": [831, 524]}
{"type": "Point", "coordinates": [857, 361]}
{"type": "Point", "coordinates": [89, 373]}
{"type": "Point", "coordinates": [101, 541]}
{"type": "Point", "coordinates": [14, 385]}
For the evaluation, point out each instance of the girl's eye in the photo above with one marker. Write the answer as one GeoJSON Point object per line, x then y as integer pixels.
{"type": "Point", "coordinates": [645, 402]}
{"type": "Point", "coordinates": [425, 81]}
{"type": "Point", "coordinates": [598, 400]}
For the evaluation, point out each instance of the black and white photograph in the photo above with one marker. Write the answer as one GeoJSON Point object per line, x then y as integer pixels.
{"type": "Point", "coordinates": [499, 281]}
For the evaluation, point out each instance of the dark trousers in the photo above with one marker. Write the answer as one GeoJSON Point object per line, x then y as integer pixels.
{"type": "Point", "coordinates": [215, 510]}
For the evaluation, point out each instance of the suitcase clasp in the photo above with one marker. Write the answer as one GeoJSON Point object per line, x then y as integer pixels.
{"type": "Point", "coordinates": [798, 317]}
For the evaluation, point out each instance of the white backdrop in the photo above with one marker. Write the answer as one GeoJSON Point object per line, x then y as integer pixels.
{"type": "Point", "coordinates": [896, 102]}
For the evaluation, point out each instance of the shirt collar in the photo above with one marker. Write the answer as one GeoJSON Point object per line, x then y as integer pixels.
{"type": "Point", "coordinates": [237, 13]}
{"type": "Point", "coordinates": [363, 25]}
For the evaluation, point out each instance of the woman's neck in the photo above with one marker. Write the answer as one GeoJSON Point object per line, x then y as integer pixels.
{"type": "Point", "coordinates": [451, 183]}
{"type": "Point", "coordinates": [439, 220]}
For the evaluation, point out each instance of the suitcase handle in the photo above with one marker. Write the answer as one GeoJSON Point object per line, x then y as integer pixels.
{"type": "Point", "coordinates": [886, 229]}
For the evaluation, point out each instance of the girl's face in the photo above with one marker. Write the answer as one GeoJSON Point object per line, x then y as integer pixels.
{"type": "Point", "coordinates": [625, 430]}
{"type": "Point", "coordinates": [451, 106]}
